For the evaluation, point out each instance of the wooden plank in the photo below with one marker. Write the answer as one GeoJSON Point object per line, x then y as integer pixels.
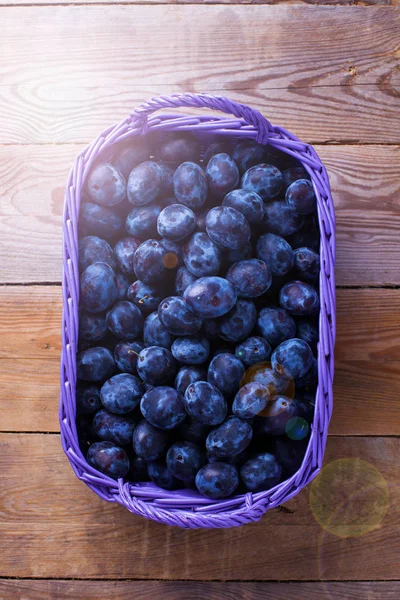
{"type": "Point", "coordinates": [54, 526]}
{"type": "Point", "coordinates": [32, 180]}
{"type": "Point", "coordinates": [83, 67]}
{"type": "Point", "coordinates": [180, 590]}
{"type": "Point", "coordinates": [366, 389]}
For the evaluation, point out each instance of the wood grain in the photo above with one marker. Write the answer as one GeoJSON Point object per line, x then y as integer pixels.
{"type": "Point", "coordinates": [365, 188]}
{"type": "Point", "coordinates": [52, 525]}
{"type": "Point", "coordinates": [82, 67]}
{"type": "Point", "coordinates": [181, 590]}
{"type": "Point", "coordinates": [366, 389]}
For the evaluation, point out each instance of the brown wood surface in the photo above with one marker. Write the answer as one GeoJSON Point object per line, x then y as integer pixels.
{"type": "Point", "coordinates": [52, 525]}
{"type": "Point", "coordinates": [365, 185]}
{"type": "Point", "coordinates": [82, 67]}
{"type": "Point", "coordinates": [367, 385]}
{"type": "Point", "coordinates": [331, 75]}
{"type": "Point", "coordinates": [182, 590]}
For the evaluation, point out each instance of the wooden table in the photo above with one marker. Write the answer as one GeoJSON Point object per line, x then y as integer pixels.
{"type": "Point", "coordinates": [331, 75]}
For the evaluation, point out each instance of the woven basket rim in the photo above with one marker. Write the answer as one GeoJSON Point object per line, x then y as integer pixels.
{"type": "Point", "coordinates": [187, 508]}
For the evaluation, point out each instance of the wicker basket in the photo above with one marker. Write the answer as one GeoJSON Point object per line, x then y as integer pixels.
{"type": "Point", "coordinates": [186, 508]}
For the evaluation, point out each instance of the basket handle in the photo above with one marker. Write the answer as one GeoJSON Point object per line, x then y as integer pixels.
{"type": "Point", "coordinates": [249, 115]}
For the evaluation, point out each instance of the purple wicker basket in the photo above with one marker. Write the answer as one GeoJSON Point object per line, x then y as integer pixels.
{"type": "Point", "coordinates": [186, 508]}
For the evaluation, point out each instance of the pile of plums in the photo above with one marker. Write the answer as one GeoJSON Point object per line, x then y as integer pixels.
{"type": "Point", "coordinates": [198, 323]}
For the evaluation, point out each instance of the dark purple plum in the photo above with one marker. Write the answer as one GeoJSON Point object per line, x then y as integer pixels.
{"type": "Point", "coordinates": [225, 372]}
{"type": "Point", "coordinates": [253, 350]}
{"type": "Point", "coordinates": [310, 378]}
{"type": "Point", "coordinates": [122, 393]}
{"type": "Point", "coordinates": [201, 256]}
{"type": "Point", "coordinates": [251, 278]}
{"type": "Point", "coordinates": [184, 459]}
{"type": "Point", "coordinates": [125, 251]}
{"type": "Point", "coordinates": [248, 153]}
{"type": "Point", "coordinates": [161, 476]}
{"type": "Point", "coordinates": [123, 283]}
{"type": "Point", "coordinates": [262, 472]}
{"type": "Point", "coordinates": [300, 197]}
{"type": "Point", "coordinates": [129, 154]}
{"type": "Point", "coordinates": [280, 219]}
{"type": "Point", "coordinates": [290, 453]}
{"type": "Point", "coordinates": [222, 175]}
{"type": "Point", "coordinates": [307, 331]}
{"type": "Point", "coordinates": [109, 459]}
{"type": "Point", "coordinates": [188, 375]}
{"type": "Point", "coordinates": [100, 221]}
{"type": "Point", "coordinates": [192, 430]}
{"type": "Point", "coordinates": [275, 416]}
{"type": "Point", "coordinates": [276, 253]}
{"type": "Point", "coordinates": [149, 442]}
{"type": "Point", "coordinates": [88, 400]}
{"type": "Point", "coordinates": [145, 296]}
{"type": "Point", "coordinates": [205, 403]}
{"type": "Point", "coordinates": [193, 350]}
{"type": "Point", "coordinates": [141, 222]}
{"type": "Point", "coordinates": [293, 174]}
{"type": "Point", "coordinates": [177, 318]}
{"type": "Point", "coordinates": [145, 183]}
{"type": "Point", "coordinates": [179, 147]}
{"type": "Point", "coordinates": [113, 428]}
{"type": "Point", "coordinates": [98, 286]}
{"type": "Point", "coordinates": [190, 185]}
{"type": "Point", "coordinates": [175, 222]}
{"type": "Point", "coordinates": [125, 321]}
{"type": "Point", "coordinates": [217, 480]}
{"type": "Point", "coordinates": [105, 185]}
{"type": "Point", "coordinates": [211, 329]}
{"type": "Point", "coordinates": [221, 147]}
{"type": "Point", "coordinates": [227, 227]}
{"type": "Point", "coordinates": [126, 355]}
{"type": "Point", "coordinates": [263, 373]}
{"type": "Point", "coordinates": [95, 364]}
{"type": "Point", "coordinates": [154, 334]}
{"type": "Point", "coordinates": [250, 400]}
{"type": "Point", "coordinates": [93, 249]}
{"type": "Point", "coordinates": [149, 262]}
{"type": "Point", "coordinates": [230, 438]}
{"type": "Point", "coordinates": [306, 264]}
{"type": "Point", "coordinates": [292, 358]}
{"type": "Point", "coordinates": [239, 322]}
{"type": "Point", "coordinates": [248, 203]}
{"type": "Point", "coordinates": [92, 328]}
{"type": "Point", "coordinates": [299, 299]}
{"type": "Point", "coordinates": [210, 297]}
{"type": "Point", "coordinates": [232, 256]}
{"type": "Point", "coordinates": [201, 220]}
{"type": "Point", "coordinates": [183, 279]}
{"type": "Point", "coordinates": [138, 471]}
{"type": "Point", "coordinates": [307, 237]}
{"type": "Point", "coordinates": [275, 325]}
{"type": "Point", "coordinates": [168, 184]}
{"type": "Point", "coordinates": [305, 402]}
{"type": "Point", "coordinates": [163, 407]}
{"type": "Point", "coordinates": [263, 179]}
{"type": "Point", "coordinates": [174, 257]}
{"type": "Point", "coordinates": [156, 365]}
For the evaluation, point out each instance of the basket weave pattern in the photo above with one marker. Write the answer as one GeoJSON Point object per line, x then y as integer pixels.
{"type": "Point", "coordinates": [186, 508]}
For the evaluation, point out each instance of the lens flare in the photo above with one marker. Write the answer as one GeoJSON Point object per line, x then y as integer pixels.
{"type": "Point", "coordinates": [170, 260]}
{"type": "Point", "coordinates": [297, 428]}
{"type": "Point", "coordinates": [264, 374]}
{"type": "Point", "coordinates": [349, 497]}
